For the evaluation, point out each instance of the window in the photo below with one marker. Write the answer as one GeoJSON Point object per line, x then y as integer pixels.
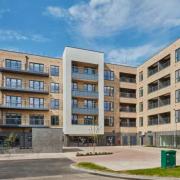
{"type": "Point", "coordinates": [36, 85]}
{"type": "Point", "coordinates": [177, 75]}
{"type": "Point", "coordinates": [54, 70]}
{"type": "Point", "coordinates": [140, 91]}
{"type": "Point", "coordinates": [74, 119]}
{"type": "Point", "coordinates": [55, 87]}
{"type": "Point", "coordinates": [89, 103]}
{"type": "Point", "coordinates": [109, 75]}
{"type": "Point", "coordinates": [89, 120]}
{"type": "Point", "coordinates": [54, 120]}
{"type": "Point", "coordinates": [36, 119]}
{"type": "Point", "coordinates": [74, 103]}
{"type": "Point", "coordinates": [109, 121]}
{"type": "Point", "coordinates": [75, 69]}
{"type": "Point", "coordinates": [177, 115]}
{"type": "Point", "coordinates": [89, 87]}
{"type": "Point", "coordinates": [35, 67]}
{"type": "Point", "coordinates": [108, 106]}
{"type": "Point", "coordinates": [13, 64]}
{"type": "Point", "coordinates": [108, 91]}
{"type": "Point", "coordinates": [177, 54]}
{"type": "Point", "coordinates": [13, 83]}
{"type": "Point", "coordinates": [13, 118]}
{"type": "Point", "coordinates": [54, 103]}
{"type": "Point", "coordinates": [140, 107]}
{"type": "Point", "coordinates": [88, 70]}
{"type": "Point", "coordinates": [74, 86]}
{"type": "Point", "coordinates": [177, 95]}
{"type": "Point", "coordinates": [141, 76]}
{"type": "Point", "coordinates": [36, 102]}
{"type": "Point", "coordinates": [14, 101]}
{"type": "Point", "coordinates": [140, 121]}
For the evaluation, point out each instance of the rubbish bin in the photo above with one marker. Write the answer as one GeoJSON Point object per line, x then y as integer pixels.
{"type": "Point", "coordinates": [168, 159]}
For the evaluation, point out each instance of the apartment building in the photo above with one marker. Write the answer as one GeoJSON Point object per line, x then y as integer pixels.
{"type": "Point", "coordinates": [84, 96]}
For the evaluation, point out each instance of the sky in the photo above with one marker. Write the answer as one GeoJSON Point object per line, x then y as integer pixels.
{"type": "Point", "coordinates": [127, 31]}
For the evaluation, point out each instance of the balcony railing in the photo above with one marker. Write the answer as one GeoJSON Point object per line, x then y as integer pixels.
{"type": "Point", "coordinates": [164, 102]}
{"type": "Point", "coordinates": [164, 65]}
{"type": "Point", "coordinates": [127, 109]}
{"type": "Point", "coordinates": [152, 71]}
{"type": "Point", "coordinates": [88, 111]}
{"type": "Point", "coordinates": [153, 105]}
{"type": "Point", "coordinates": [128, 79]}
{"type": "Point", "coordinates": [24, 68]}
{"type": "Point", "coordinates": [164, 120]}
{"type": "Point", "coordinates": [84, 76]}
{"type": "Point", "coordinates": [152, 88]}
{"type": "Point", "coordinates": [127, 124]}
{"type": "Point", "coordinates": [164, 84]}
{"type": "Point", "coordinates": [24, 105]}
{"type": "Point", "coordinates": [127, 95]}
{"type": "Point", "coordinates": [152, 122]}
{"type": "Point", "coordinates": [79, 93]}
{"type": "Point", "coordinates": [24, 87]}
{"type": "Point", "coordinates": [23, 121]}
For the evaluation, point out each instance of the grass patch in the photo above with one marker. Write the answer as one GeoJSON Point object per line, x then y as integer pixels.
{"type": "Point", "coordinates": [169, 172]}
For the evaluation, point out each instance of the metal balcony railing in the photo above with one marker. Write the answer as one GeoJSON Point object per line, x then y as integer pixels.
{"type": "Point", "coordinates": [153, 105]}
{"type": "Point", "coordinates": [152, 71]}
{"type": "Point", "coordinates": [164, 102]}
{"type": "Point", "coordinates": [127, 109]}
{"type": "Point", "coordinates": [24, 68]}
{"type": "Point", "coordinates": [25, 87]}
{"type": "Point", "coordinates": [127, 95]}
{"type": "Point", "coordinates": [164, 65]}
{"type": "Point", "coordinates": [88, 111]}
{"type": "Point", "coordinates": [164, 120]}
{"type": "Point", "coordinates": [24, 121]}
{"type": "Point", "coordinates": [24, 105]}
{"type": "Point", "coordinates": [84, 76]}
{"type": "Point", "coordinates": [152, 88]}
{"type": "Point", "coordinates": [128, 79]}
{"type": "Point", "coordinates": [127, 124]}
{"type": "Point", "coordinates": [79, 93]}
{"type": "Point", "coordinates": [152, 122]}
{"type": "Point", "coordinates": [164, 84]}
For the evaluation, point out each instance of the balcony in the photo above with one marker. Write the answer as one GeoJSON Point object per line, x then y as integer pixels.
{"type": "Point", "coordinates": [129, 78]}
{"type": "Point", "coordinates": [79, 93]}
{"type": "Point", "coordinates": [127, 93]}
{"type": "Point", "coordinates": [87, 111]}
{"type": "Point", "coordinates": [24, 87]}
{"type": "Point", "coordinates": [127, 108]}
{"type": "Point", "coordinates": [127, 122]}
{"type": "Point", "coordinates": [23, 68]}
{"type": "Point", "coordinates": [84, 76]}
{"type": "Point", "coordinates": [23, 121]}
{"type": "Point", "coordinates": [24, 105]}
{"type": "Point", "coordinates": [153, 103]}
{"type": "Point", "coordinates": [153, 120]}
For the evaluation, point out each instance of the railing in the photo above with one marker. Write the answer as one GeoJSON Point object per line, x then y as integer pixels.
{"type": "Point", "coordinates": [127, 124]}
{"type": "Point", "coordinates": [84, 76]}
{"type": "Point", "coordinates": [127, 95]}
{"type": "Point", "coordinates": [24, 87]}
{"type": "Point", "coordinates": [152, 122]}
{"type": "Point", "coordinates": [128, 79]}
{"type": "Point", "coordinates": [164, 84]}
{"type": "Point", "coordinates": [153, 105]}
{"type": "Point", "coordinates": [79, 93]}
{"type": "Point", "coordinates": [24, 121]}
{"type": "Point", "coordinates": [152, 71]}
{"type": "Point", "coordinates": [23, 104]}
{"type": "Point", "coordinates": [164, 102]}
{"type": "Point", "coordinates": [152, 88]}
{"type": "Point", "coordinates": [164, 120]}
{"type": "Point", "coordinates": [127, 109]}
{"type": "Point", "coordinates": [78, 110]}
{"type": "Point", "coordinates": [164, 65]}
{"type": "Point", "coordinates": [24, 67]}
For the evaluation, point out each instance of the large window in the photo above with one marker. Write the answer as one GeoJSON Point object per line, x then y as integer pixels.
{"type": "Point", "coordinates": [140, 121]}
{"type": "Point", "coordinates": [177, 95]}
{"type": "Point", "coordinates": [13, 118]}
{"type": "Point", "coordinates": [140, 107]}
{"type": "Point", "coordinates": [177, 75]}
{"type": "Point", "coordinates": [36, 102]}
{"type": "Point", "coordinates": [54, 103]}
{"type": "Point", "coordinates": [108, 106]}
{"type": "Point", "coordinates": [54, 120]}
{"type": "Point", "coordinates": [74, 119]}
{"type": "Point", "coordinates": [14, 101]}
{"type": "Point", "coordinates": [36, 85]}
{"type": "Point", "coordinates": [89, 87]}
{"type": "Point", "coordinates": [13, 83]}
{"type": "Point", "coordinates": [177, 54]}
{"type": "Point", "coordinates": [89, 103]}
{"type": "Point", "coordinates": [13, 64]}
{"type": "Point", "coordinates": [109, 121]}
{"type": "Point", "coordinates": [108, 91]}
{"type": "Point", "coordinates": [140, 91]}
{"type": "Point", "coordinates": [36, 119]}
{"type": "Point", "coordinates": [54, 70]}
{"type": "Point", "coordinates": [177, 115]}
{"type": "Point", "coordinates": [109, 75]}
{"type": "Point", "coordinates": [35, 67]}
{"type": "Point", "coordinates": [55, 87]}
{"type": "Point", "coordinates": [141, 76]}
{"type": "Point", "coordinates": [89, 120]}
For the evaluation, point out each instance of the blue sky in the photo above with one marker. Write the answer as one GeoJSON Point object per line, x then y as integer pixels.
{"type": "Point", "coordinates": [127, 31]}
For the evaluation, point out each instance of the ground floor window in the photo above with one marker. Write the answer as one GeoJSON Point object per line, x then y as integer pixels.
{"type": "Point", "coordinates": [54, 120]}
{"type": "Point", "coordinates": [36, 119]}
{"type": "Point", "coordinates": [13, 118]}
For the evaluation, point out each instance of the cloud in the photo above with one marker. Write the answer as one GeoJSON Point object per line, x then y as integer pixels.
{"type": "Point", "coordinates": [9, 35]}
{"type": "Point", "coordinates": [97, 18]}
{"type": "Point", "coordinates": [132, 55]}
{"type": "Point", "coordinates": [3, 11]}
